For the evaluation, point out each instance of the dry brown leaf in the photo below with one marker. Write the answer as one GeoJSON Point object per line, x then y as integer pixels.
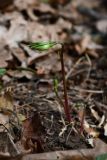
{"type": "Point", "coordinates": [5, 56]}
{"type": "Point", "coordinates": [86, 45]}
{"type": "Point", "coordinates": [19, 54]}
{"type": "Point", "coordinates": [22, 4]}
{"type": "Point", "coordinates": [91, 131]}
{"type": "Point", "coordinates": [17, 31]}
{"type": "Point", "coordinates": [20, 74]}
{"type": "Point", "coordinates": [31, 134]}
{"type": "Point", "coordinates": [6, 101]}
{"type": "Point", "coordinates": [39, 32]}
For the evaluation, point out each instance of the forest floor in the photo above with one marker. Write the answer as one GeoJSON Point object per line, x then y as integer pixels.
{"type": "Point", "coordinates": [31, 114]}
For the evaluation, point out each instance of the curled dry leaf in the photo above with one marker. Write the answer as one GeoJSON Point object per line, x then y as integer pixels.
{"type": "Point", "coordinates": [19, 54]}
{"type": "Point", "coordinates": [86, 45]}
{"type": "Point", "coordinates": [31, 138]}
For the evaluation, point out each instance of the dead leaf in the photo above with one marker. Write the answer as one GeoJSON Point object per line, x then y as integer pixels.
{"type": "Point", "coordinates": [19, 54]}
{"type": "Point", "coordinates": [4, 121]}
{"type": "Point", "coordinates": [6, 101]}
{"type": "Point", "coordinates": [31, 134]}
{"type": "Point", "coordinates": [17, 32]}
{"type": "Point", "coordinates": [7, 146]}
{"type": "Point", "coordinates": [22, 4]}
{"type": "Point", "coordinates": [5, 55]}
{"type": "Point", "coordinates": [95, 114]}
{"type": "Point", "coordinates": [91, 131]}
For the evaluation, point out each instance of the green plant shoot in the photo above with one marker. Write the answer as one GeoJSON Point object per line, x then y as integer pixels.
{"type": "Point", "coordinates": [2, 71]}
{"type": "Point", "coordinates": [42, 46]}
{"type": "Point", "coordinates": [55, 82]}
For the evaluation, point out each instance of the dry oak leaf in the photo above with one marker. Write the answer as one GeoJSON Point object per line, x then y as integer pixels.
{"type": "Point", "coordinates": [31, 133]}
{"type": "Point", "coordinates": [5, 56]}
{"type": "Point", "coordinates": [17, 32]}
{"type": "Point", "coordinates": [25, 4]}
{"type": "Point", "coordinates": [40, 32]}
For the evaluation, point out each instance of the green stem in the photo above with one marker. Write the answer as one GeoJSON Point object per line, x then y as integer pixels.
{"type": "Point", "coordinates": [66, 105]}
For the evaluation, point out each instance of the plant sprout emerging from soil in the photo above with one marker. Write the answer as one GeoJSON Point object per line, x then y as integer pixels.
{"type": "Point", "coordinates": [2, 71]}
{"type": "Point", "coordinates": [42, 46]}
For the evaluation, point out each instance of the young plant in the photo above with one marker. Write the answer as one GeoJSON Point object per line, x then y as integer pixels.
{"type": "Point", "coordinates": [55, 83]}
{"type": "Point", "coordinates": [42, 46]}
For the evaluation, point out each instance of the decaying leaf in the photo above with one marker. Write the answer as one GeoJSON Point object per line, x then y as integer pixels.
{"type": "Point", "coordinates": [6, 101]}
{"type": "Point", "coordinates": [4, 122]}
{"type": "Point", "coordinates": [5, 56]}
{"type": "Point", "coordinates": [21, 118]}
{"type": "Point", "coordinates": [95, 113]}
{"type": "Point", "coordinates": [7, 146]}
{"type": "Point", "coordinates": [31, 134]}
{"type": "Point", "coordinates": [91, 131]}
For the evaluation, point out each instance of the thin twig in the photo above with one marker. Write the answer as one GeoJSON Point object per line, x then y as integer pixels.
{"type": "Point", "coordinates": [72, 68]}
{"type": "Point", "coordinates": [90, 65]}
{"type": "Point", "coordinates": [89, 91]}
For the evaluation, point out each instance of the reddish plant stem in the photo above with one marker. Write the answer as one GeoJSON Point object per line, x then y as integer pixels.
{"type": "Point", "coordinates": [82, 121]}
{"type": "Point", "coordinates": [66, 105]}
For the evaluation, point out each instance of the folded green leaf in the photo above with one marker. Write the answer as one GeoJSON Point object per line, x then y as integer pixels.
{"type": "Point", "coordinates": [41, 46]}
{"type": "Point", "coordinates": [2, 71]}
